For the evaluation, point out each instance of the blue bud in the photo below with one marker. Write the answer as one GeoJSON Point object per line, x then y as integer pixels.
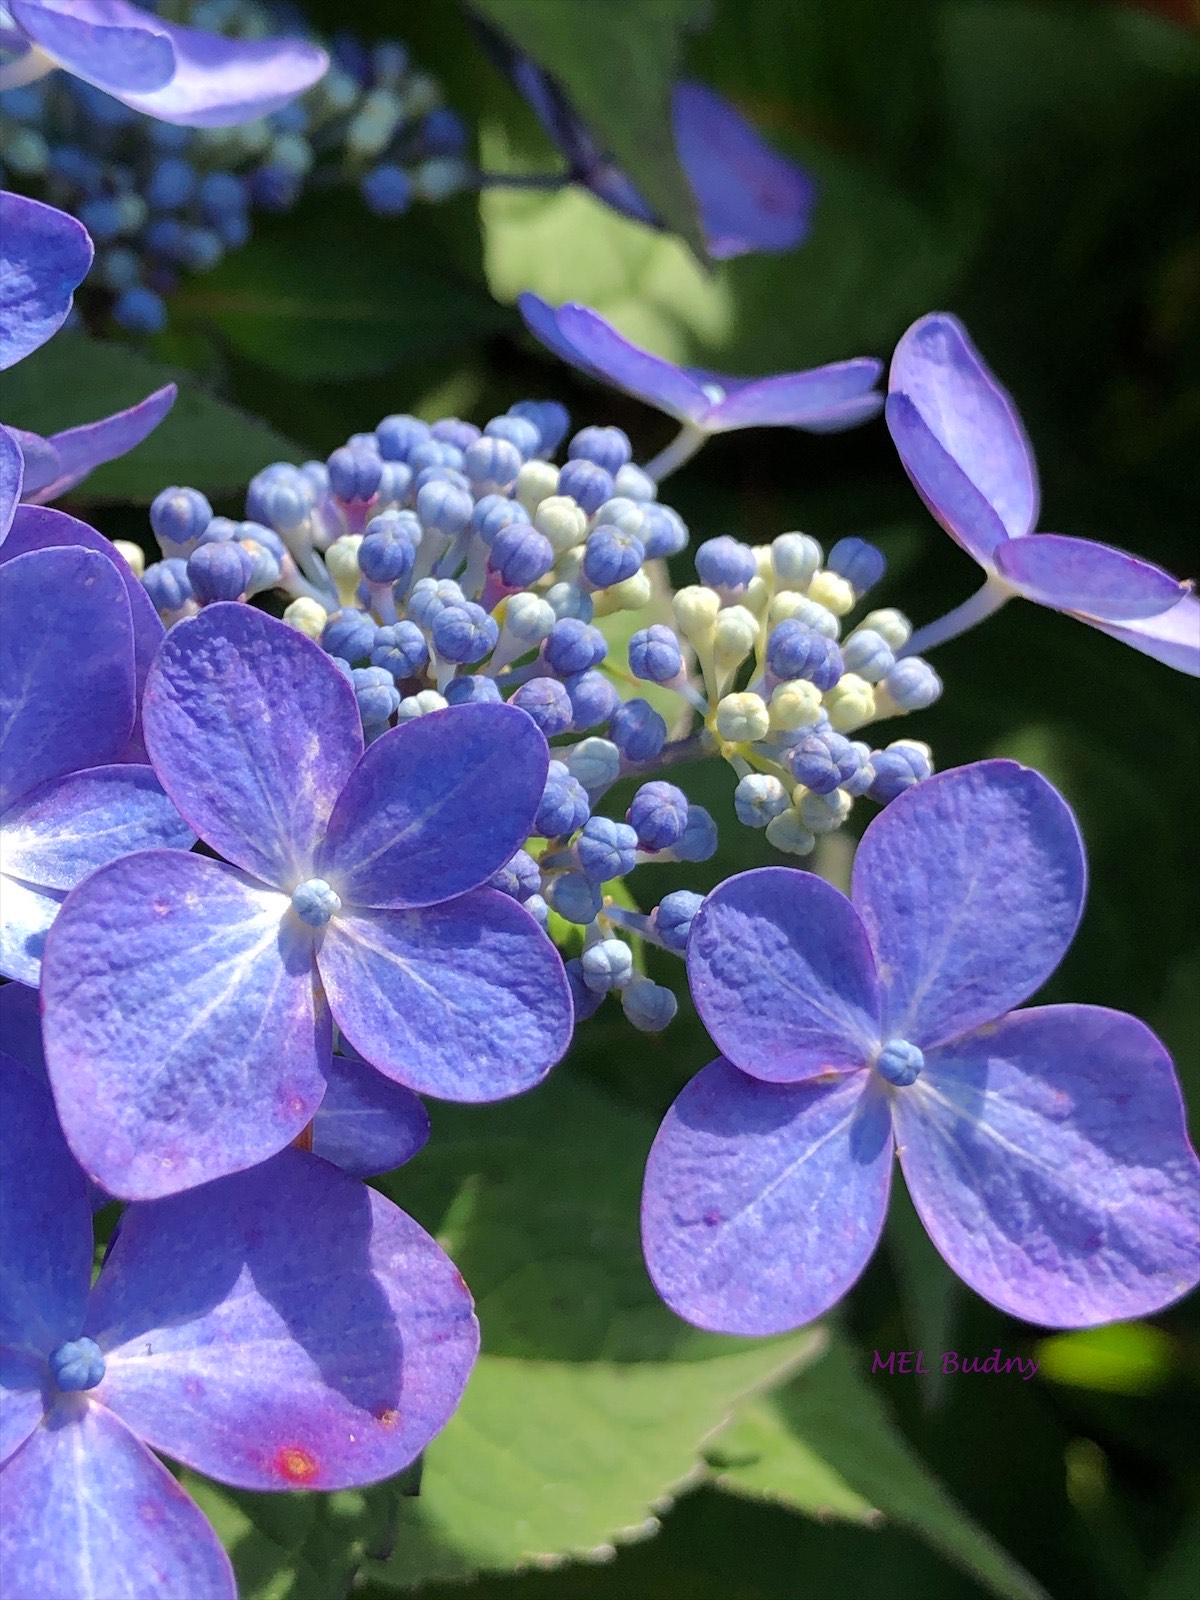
{"type": "Point", "coordinates": [314, 902]}
{"type": "Point", "coordinates": [448, 477]}
{"type": "Point", "coordinates": [388, 550]}
{"type": "Point", "coordinates": [119, 268]}
{"type": "Point", "coordinates": [491, 464]}
{"type": "Point", "coordinates": [569, 600]}
{"type": "Point", "coordinates": [658, 815]}
{"type": "Point", "coordinates": [900, 1063]}
{"type": "Point", "coordinates": [170, 183]}
{"type": "Point", "coordinates": [519, 877]}
{"type": "Point", "coordinates": [220, 195]}
{"type": "Point", "coordinates": [454, 431]}
{"type": "Point", "coordinates": [476, 690]}
{"type": "Point", "coordinates": [77, 1365]}
{"type": "Point", "coordinates": [868, 655]}
{"type": "Point", "coordinates": [398, 435]}
{"type": "Point", "coordinates": [913, 684]}
{"type": "Point", "coordinates": [354, 474]}
{"type": "Point", "coordinates": [611, 555]}
{"type": "Point", "coordinates": [168, 585]}
{"type": "Point", "coordinates": [663, 532]}
{"type": "Point", "coordinates": [564, 805]}
{"type": "Point", "coordinates": [140, 311]}
{"type": "Point", "coordinates": [547, 702]}
{"type": "Point", "coordinates": [648, 1006]}
{"type": "Point", "coordinates": [584, 1000]}
{"type": "Point", "coordinates": [606, 965]}
{"type": "Point", "coordinates": [400, 649]}
{"type": "Point", "coordinates": [593, 699]}
{"type": "Point", "coordinates": [549, 417]}
{"type": "Point", "coordinates": [444, 133]}
{"type": "Point", "coordinates": [522, 432]}
{"type": "Point", "coordinates": [608, 448]}
{"type": "Point", "coordinates": [897, 768]}
{"type": "Point", "coordinates": [376, 694]}
{"type": "Point", "coordinates": [387, 190]}
{"type": "Point", "coordinates": [219, 571]}
{"type": "Point", "coordinates": [232, 228]}
{"type": "Point", "coordinates": [824, 761]}
{"type": "Point", "coordinates": [586, 483]}
{"type": "Point", "coordinates": [635, 484]}
{"type": "Point", "coordinates": [520, 555]}
{"type": "Point", "coordinates": [655, 654]}
{"type": "Point", "coordinates": [178, 517]}
{"type": "Point", "coordinates": [674, 917]}
{"type": "Point", "coordinates": [862, 780]}
{"type": "Point", "coordinates": [464, 634]}
{"type": "Point", "coordinates": [275, 187]}
{"type": "Point", "coordinates": [574, 898]}
{"type": "Point", "coordinates": [573, 646]}
{"type": "Point", "coordinates": [280, 496]}
{"type": "Point", "coordinates": [101, 217]}
{"type": "Point", "coordinates": [349, 634]}
{"type": "Point", "coordinates": [638, 731]}
{"type": "Point", "coordinates": [860, 563]}
{"type": "Point", "coordinates": [725, 563]}
{"type": "Point", "coordinates": [759, 799]}
{"type": "Point", "coordinates": [494, 513]}
{"type": "Point", "coordinates": [795, 650]}
{"type": "Point", "coordinates": [699, 838]}
{"type": "Point", "coordinates": [606, 849]}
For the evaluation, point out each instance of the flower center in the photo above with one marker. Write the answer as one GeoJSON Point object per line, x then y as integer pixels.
{"type": "Point", "coordinates": [899, 1063]}
{"type": "Point", "coordinates": [78, 1364]}
{"type": "Point", "coordinates": [315, 902]}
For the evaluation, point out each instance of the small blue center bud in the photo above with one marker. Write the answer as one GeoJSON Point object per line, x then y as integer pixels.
{"type": "Point", "coordinates": [900, 1063]}
{"type": "Point", "coordinates": [315, 902]}
{"type": "Point", "coordinates": [663, 532]}
{"type": "Point", "coordinates": [76, 1365]}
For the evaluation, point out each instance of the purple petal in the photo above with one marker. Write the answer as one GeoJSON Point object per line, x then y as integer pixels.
{"type": "Point", "coordinates": [63, 831]}
{"type": "Point", "coordinates": [1172, 638]}
{"type": "Point", "coordinates": [253, 732]}
{"type": "Point", "coordinates": [827, 398]}
{"type": "Point", "coordinates": [949, 495]}
{"type": "Point", "coordinates": [783, 976]}
{"type": "Point", "coordinates": [81, 450]}
{"type": "Point", "coordinates": [27, 912]}
{"type": "Point", "coordinates": [974, 420]}
{"type": "Point", "coordinates": [467, 1000]}
{"type": "Point", "coordinates": [219, 82]}
{"type": "Point", "coordinates": [1079, 575]}
{"type": "Point", "coordinates": [12, 478]}
{"type": "Point", "coordinates": [21, 1027]}
{"type": "Point", "coordinates": [114, 46]}
{"type": "Point", "coordinates": [751, 198]}
{"type": "Point", "coordinates": [66, 667]}
{"type": "Point", "coordinates": [436, 806]}
{"type": "Point", "coordinates": [285, 1328]}
{"type": "Point", "coordinates": [763, 1203]}
{"type": "Point", "coordinates": [41, 461]}
{"type": "Point", "coordinates": [84, 1498]}
{"type": "Point", "coordinates": [42, 528]}
{"type": "Point", "coordinates": [971, 887]}
{"type": "Point", "coordinates": [44, 255]}
{"type": "Point", "coordinates": [587, 341]}
{"type": "Point", "coordinates": [1049, 1160]}
{"type": "Point", "coordinates": [366, 1123]}
{"type": "Point", "coordinates": [21, 1404]}
{"type": "Point", "coordinates": [181, 1028]}
{"type": "Point", "coordinates": [47, 1239]}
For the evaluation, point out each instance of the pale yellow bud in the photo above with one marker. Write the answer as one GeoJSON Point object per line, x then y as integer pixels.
{"type": "Point", "coordinates": [569, 564]}
{"type": "Point", "coordinates": [830, 589]}
{"type": "Point", "coordinates": [341, 563]}
{"type": "Point", "coordinates": [307, 616]}
{"type": "Point", "coordinates": [743, 718]}
{"type": "Point", "coordinates": [132, 555]}
{"type": "Point", "coordinates": [757, 596]}
{"type": "Point", "coordinates": [420, 705]}
{"type": "Point", "coordinates": [763, 562]}
{"type": "Point", "coordinates": [850, 703]}
{"type": "Point", "coordinates": [794, 705]}
{"type": "Point", "coordinates": [893, 627]}
{"type": "Point", "coordinates": [561, 520]}
{"type": "Point", "coordinates": [735, 634]}
{"type": "Point", "coordinates": [788, 833]}
{"type": "Point", "coordinates": [535, 482]}
{"type": "Point", "coordinates": [696, 611]}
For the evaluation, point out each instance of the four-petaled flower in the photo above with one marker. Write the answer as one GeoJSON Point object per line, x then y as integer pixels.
{"type": "Point", "coordinates": [187, 999]}
{"type": "Point", "coordinates": [70, 801]}
{"type": "Point", "coordinates": [1044, 1149]}
{"type": "Point", "coordinates": [44, 256]}
{"type": "Point", "coordinates": [962, 444]}
{"type": "Point", "coordinates": [278, 1329]}
{"type": "Point", "coordinates": [173, 73]}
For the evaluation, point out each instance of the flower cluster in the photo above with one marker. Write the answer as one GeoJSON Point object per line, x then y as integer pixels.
{"type": "Point", "coordinates": [165, 200]}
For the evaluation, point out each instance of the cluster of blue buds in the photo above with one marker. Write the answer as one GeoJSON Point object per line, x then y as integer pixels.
{"type": "Point", "coordinates": [443, 564]}
{"type": "Point", "coordinates": [164, 201]}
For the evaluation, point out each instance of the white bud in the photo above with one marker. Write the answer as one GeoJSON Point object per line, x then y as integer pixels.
{"type": "Point", "coordinates": [528, 617]}
{"type": "Point", "coordinates": [893, 627]}
{"type": "Point", "coordinates": [307, 616]}
{"type": "Point", "coordinates": [759, 798]}
{"type": "Point", "coordinates": [341, 563]}
{"type": "Point", "coordinates": [822, 813]}
{"type": "Point", "coordinates": [763, 563]}
{"type": "Point", "coordinates": [794, 705]}
{"type": "Point", "coordinates": [790, 603]}
{"type": "Point", "coordinates": [132, 555]}
{"type": "Point", "coordinates": [420, 705]}
{"type": "Point", "coordinates": [696, 611]}
{"type": "Point", "coordinates": [743, 718]}
{"type": "Point", "coordinates": [795, 557]}
{"type": "Point", "coordinates": [788, 833]}
{"type": "Point", "coordinates": [561, 520]}
{"type": "Point", "coordinates": [735, 634]}
{"type": "Point", "coordinates": [831, 590]}
{"type": "Point", "coordinates": [535, 482]}
{"type": "Point", "coordinates": [850, 703]}
{"type": "Point", "coordinates": [631, 594]}
{"type": "Point", "coordinates": [633, 483]}
{"type": "Point", "coordinates": [622, 513]}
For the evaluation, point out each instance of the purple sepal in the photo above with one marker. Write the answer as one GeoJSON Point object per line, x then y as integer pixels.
{"type": "Point", "coordinates": [949, 495]}
{"type": "Point", "coordinates": [12, 479]}
{"type": "Point", "coordinates": [114, 46]}
{"type": "Point", "coordinates": [970, 886]}
{"type": "Point", "coordinates": [183, 1036]}
{"type": "Point", "coordinates": [1092, 580]}
{"type": "Point", "coordinates": [81, 450]}
{"type": "Point", "coordinates": [1172, 638]}
{"type": "Point", "coordinates": [763, 1202]}
{"type": "Point", "coordinates": [318, 1337]}
{"type": "Point", "coordinates": [84, 1497]}
{"type": "Point", "coordinates": [824, 399]}
{"type": "Point", "coordinates": [1048, 1157]}
{"type": "Point", "coordinates": [366, 1123]}
{"type": "Point", "coordinates": [253, 733]}
{"type": "Point", "coordinates": [783, 976]}
{"type": "Point", "coordinates": [466, 1000]}
{"type": "Point", "coordinates": [44, 256]}
{"type": "Point", "coordinates": [435, 807]}
{"type": "Point", "coordinates": [596, 346]}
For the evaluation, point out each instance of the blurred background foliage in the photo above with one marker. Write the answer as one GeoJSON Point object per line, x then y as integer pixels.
{"type": "Point", "coordinates": [1033, 167]}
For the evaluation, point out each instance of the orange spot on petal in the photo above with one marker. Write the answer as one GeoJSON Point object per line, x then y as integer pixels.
{"type": "Point", "coordinates": [388, 1417]}
{"type": "Point", "coordinates": [296, 1465]}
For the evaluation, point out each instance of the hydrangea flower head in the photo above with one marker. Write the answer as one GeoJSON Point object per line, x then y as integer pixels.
{"type": "Point", "coordinates": [44, 256]}
{"type": "Point", "coordinates": [69, 800]}
{"type": "Point", "coordinates": [1045, 1149]}
{"type": "Point", "coordinates": [173, 73]}
{"type": "Point", "coordinates": [961, 441]}
{"type": "Point", "coordinates": [279, 1329]}
{"type": "Point", "coordinates": [823, 400]}
{"type": "Point", "coordinates": [187, 999]}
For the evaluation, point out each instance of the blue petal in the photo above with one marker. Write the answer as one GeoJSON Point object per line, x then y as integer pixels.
{"type": "Point", "coordinates": [81, 450]}
{"type": "Point", "coordinates": [366, 1123]}
{"type": "Point", "coordinates": [44, 256]}
{"type": "Point", "coordinates": [112, 45]}
{"type": "Point", "coordinates": [12, 478]}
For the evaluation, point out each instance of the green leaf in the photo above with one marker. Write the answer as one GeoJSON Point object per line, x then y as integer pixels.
{"type": "Point", "coordinates": [825, 1444]}
{"type": "Point", "coordinates": [203, 441]}
{"type": "Point", "coordinates": [1125, 1358]}
{"type": "Point", "coordinates": [591, 1402]}
{"type": "Point", "coordinates": [347, 295]}
{"type": "Point", "coordinates": [931, 1293]}
{"type": "Point", "coordinates": [617, 62]}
